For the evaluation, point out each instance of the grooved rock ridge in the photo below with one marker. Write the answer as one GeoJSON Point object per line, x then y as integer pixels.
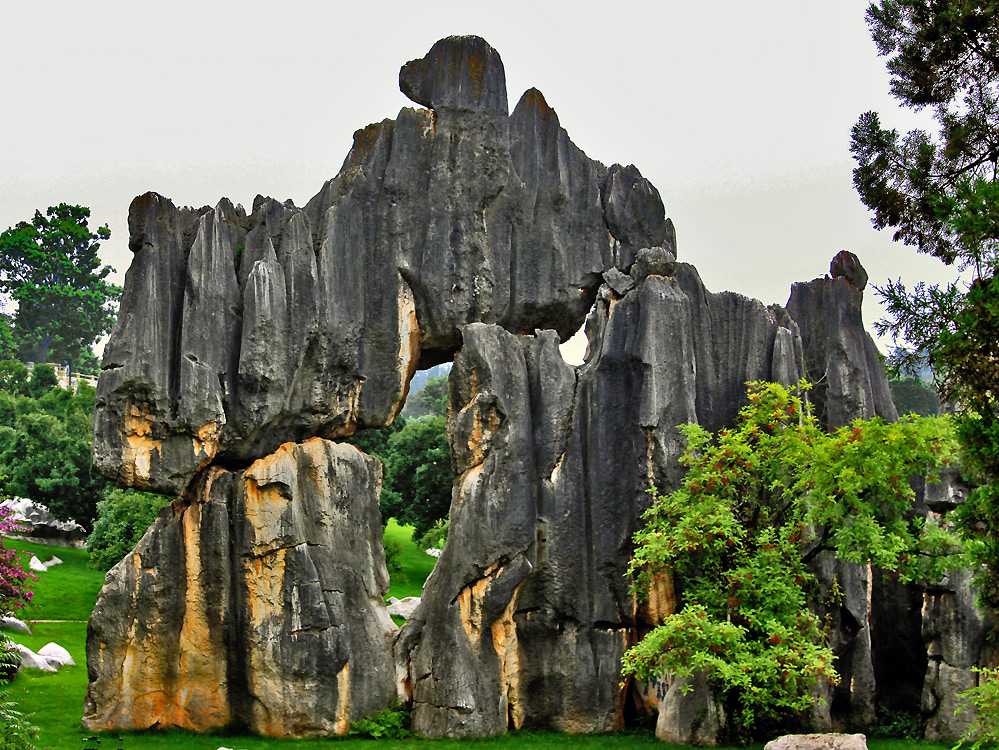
{"type": "Point", "coordinates": [239, 332]}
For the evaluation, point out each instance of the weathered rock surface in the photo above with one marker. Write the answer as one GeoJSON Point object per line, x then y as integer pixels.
{"type": "Point", "coordinates": [956, 632]}
{"type": "Point", "coordinates": [257, 599]}
{"type": "Point", "coordinates": [247, 342]}
{"type": "Point", "coordinates": [239, 332]}
{"type": "Point", "coordinates": [818, 742]}
{"type": "Point", "coordinates": [527, 614]}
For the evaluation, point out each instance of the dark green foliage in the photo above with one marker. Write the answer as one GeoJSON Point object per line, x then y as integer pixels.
{"type": "Point", "coordinates": [391, 723]}
{"type": "Point", "coordinates": [418, 470]}
{"type": "Point", "coordinates": [45, 445]}
{"type": "Point", "coordinates": [122, 518]}
{"type": "Point", "coordinates": [51, 269]}
{"type": "Point", "coordinates": [758, 503]}
{"type": "Point", "coordinates": [913, 396]}
{"type": "Point", "coordinates": [942, 195]}
{"type": "Point", "coordinates": [938, 193]}
{"type": "Point", "coordinates": [901, 724]}
{"type": "Point", "coordinates": [43, 379]}
{"type": "Point", "coordinates": [416, 487]}
{"type": "Point", "coordinates": [433, 397]}
{"type": "Point", "coordinates": [436, 537]}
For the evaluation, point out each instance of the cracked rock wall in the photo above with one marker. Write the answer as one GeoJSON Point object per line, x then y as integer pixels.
{"type": "Point", "coordinates": [239, 332]}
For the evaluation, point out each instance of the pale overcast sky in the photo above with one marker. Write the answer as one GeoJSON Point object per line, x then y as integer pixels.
{"type": "Point", "coordinates": [739, 112]}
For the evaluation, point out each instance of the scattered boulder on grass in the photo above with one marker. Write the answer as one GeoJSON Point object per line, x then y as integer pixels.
{"type": "Point", "coordinates": [403, 607]}
{"type": "Point", "coordinates": [11, 623]}
{"type": "Point", "coordinates": [36, 565]}
{"type": "Point", "coordinates": [54, 653]}
{"type": "Point", "coordinates": [818, 742]}
{"type": "Point", "coordinates": [54, 561]}
{"type": "Point", "coordinates": [31, 660]}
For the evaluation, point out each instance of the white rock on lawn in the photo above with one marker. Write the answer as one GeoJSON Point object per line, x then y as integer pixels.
{"type": "Point", "coordinates": [403, 607]}
{"type": "Point", "coordinates": [818, 742]}
{"type": "Point", "coordinates": [13, 624]}
{"type": "Point", "coordinates": [56, 653]}
{"type": "Point", "coordinates": [31, 660]}
{"type": "Point", "coordinates": [37, 565]}
{"type": "Point", "coordinates": [54, 561]}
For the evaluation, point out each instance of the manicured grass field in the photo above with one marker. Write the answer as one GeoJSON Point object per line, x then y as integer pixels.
{"type": "Point", "coordinates": [416, 564]}
{"type": "Point", "coordinates": [68, 592]}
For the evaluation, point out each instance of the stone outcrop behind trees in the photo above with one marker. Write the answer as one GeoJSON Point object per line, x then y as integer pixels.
{"type": "Point", "coordinates": [249, 343]}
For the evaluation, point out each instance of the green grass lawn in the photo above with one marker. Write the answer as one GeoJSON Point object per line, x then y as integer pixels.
{"type": "Point", "coordinates": [68, 592]}
{"type": "Point", "coordinates": [416, 564]}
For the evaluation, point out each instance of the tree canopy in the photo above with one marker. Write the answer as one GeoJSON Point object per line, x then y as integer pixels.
{"type": "Point", "coordinates": [46, 433]}
{"type": "Point", "coordinates": [941, 194]}
{"type": "Point", "coordinates": [758, 503]}
{"type": "Point", "coordinates": [416, 487]}
{"type": "Point", "coordinates": [50, 268]}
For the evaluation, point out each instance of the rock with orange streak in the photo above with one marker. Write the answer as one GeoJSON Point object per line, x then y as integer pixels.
{"type": "Point", "coordinates": [256, 599]}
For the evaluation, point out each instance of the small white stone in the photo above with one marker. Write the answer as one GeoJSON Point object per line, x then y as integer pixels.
{"type": "Point", "coordinates": [13, 624]}
{"type": "Point", "coordinates": [404, 607]}
{"type": "Point", "coordinates": [54, 561]}
{"type": "Point", "coordinates": [56, 653]}
{"type": "Point", "coordinates": [31, 660]}
{"type": "Point", "coordinates": [37, 565]}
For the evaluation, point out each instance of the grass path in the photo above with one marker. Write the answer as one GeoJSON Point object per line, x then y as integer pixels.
{"type": "Point", "coordinates": [65, 595]}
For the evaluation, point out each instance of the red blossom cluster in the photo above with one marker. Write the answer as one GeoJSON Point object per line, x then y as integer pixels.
{"type": "Point", "coordinates": [15, 578]}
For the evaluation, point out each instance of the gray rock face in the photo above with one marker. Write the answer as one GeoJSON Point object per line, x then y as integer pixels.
{"type": "Point", "coordinates": [240, 332]}
{"type": "Point", "coordinates": [527, 614]}
{"type": "Point", "coordinates": [954, 629]}
{"type": "Point", "coordinates": [257, 599]}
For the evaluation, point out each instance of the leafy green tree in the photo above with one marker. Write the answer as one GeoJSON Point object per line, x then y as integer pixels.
{"type": "Point", "coordinates": [51, 269]}
{"type": "Point", "coordinates": [913, 396]}
{"type": "Point", "coordinates": [45, 446]}
{"type": "Point", "coordinates": [122, 518]}
{"type": "Point", "coordinates": [418, 471]}
{"type": "Point", "coordinates": [758, 503]}
{"type": "Point", "coordinates": [416, 486]}
{"type": "Point", "coordinates": [941, 194]}
{"type": "Point", "coordinates": [433, 397]}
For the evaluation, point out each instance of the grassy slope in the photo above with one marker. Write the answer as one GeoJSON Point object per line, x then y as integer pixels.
{"type": "Point", "coordinates": [68, 592]}
{"type": "Point", "coordinates": [416, 564]}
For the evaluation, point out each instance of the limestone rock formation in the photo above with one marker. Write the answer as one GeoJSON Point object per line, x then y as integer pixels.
{"type": "Point", "coordinates": [248, 342]}
{"type": "Point", "coordinates": [257, 598]}
{"type": "Point", "coordinates": [527, 614]}
{"type": "Point", "coordinates": [239, 332]}
{"type": "Point", "coordinates": [956, 632]}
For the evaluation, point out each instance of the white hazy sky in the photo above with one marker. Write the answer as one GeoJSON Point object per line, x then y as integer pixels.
{"type": "Point", "coordinates": [739, 112]}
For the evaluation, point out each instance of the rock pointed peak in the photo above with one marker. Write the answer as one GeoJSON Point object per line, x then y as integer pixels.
{"type": "Point", "coordinates": [459, 72]}
{"type": "Point", "coordinates": [847, 265]}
